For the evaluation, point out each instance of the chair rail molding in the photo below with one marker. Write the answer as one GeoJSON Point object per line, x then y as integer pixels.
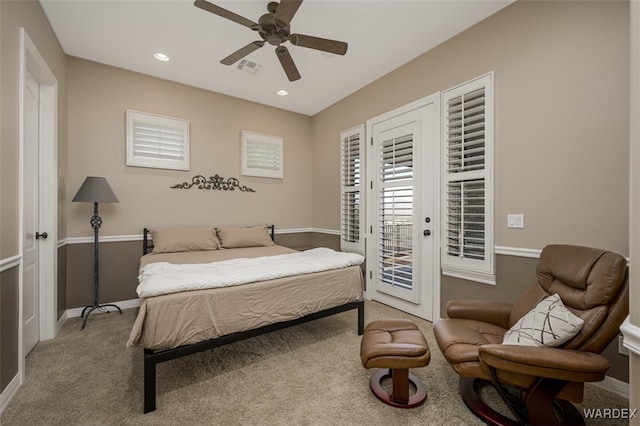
{"type": "Point", "coordinates": [10, 262]}
{"type": "Point", "coordinates": [138, 237]}
{"type": "Point", "coordinates": [518, 251]}
{"type": "Point", "coordinates": [631, 333]}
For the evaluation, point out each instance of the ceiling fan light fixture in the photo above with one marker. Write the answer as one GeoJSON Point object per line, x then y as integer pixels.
{"type": "Point", "coordinates": [163, 57]}
{"type": "Point", "coordinates": [282, 92]}
{"type": "Point", "coordinates": [274, 28]}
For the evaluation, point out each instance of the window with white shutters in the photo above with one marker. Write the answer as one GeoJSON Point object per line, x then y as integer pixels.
{"type": "Point", "coordinates": [467, 224]}
{"type": "Point", "coordinates": [351, 177]}
{"type": "Point", "coordinates": [157, 141]}
{"type": "Point", "coordinates": [262, 155]}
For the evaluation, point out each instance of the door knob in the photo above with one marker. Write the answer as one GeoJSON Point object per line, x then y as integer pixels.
{"type": "Point", "coordinates": [426, 232]}
{"type": "Point", "coordinates": [44, 235]}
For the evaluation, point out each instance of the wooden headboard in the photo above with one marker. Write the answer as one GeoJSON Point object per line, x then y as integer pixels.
{"type": "Point", "coordinates": [147, 242]}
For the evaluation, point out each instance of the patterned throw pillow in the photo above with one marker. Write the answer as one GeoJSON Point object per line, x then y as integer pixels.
{"type": "Point", "coordinates": [550, 323]}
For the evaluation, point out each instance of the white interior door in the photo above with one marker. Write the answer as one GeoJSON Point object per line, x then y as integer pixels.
{"type": "Point", "coordinates": [403, 204]}
{"type": "Point", "coordinates": [31, 327]}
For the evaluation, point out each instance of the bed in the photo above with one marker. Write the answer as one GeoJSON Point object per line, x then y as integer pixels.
{"type": "Point", "coordinates": [177, 321]}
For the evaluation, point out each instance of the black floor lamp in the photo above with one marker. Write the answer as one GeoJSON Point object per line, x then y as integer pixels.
{"type": "Point", "coordinates": [95, 190]}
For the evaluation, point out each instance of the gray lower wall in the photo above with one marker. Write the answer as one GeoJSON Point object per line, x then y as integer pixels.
{"type": "Point", "coordinates": [8, 326]}
{"type": "Point", "coordinates": [62, 281]}
{"type": "Point", "coordinates": [513, 276]}
{"type": "Point", "coordinates": [119, 269]}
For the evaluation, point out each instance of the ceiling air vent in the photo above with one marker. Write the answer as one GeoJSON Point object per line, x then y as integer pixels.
{"type": "Point", "coordinates": [249, 66]}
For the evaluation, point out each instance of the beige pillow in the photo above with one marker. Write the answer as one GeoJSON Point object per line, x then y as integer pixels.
{"type": "Point", "coordinates": [255, 236]}
{"type": "Point", "coordinates": [169, 240]}
{"type": "Point", "coordinates": [549, 323]}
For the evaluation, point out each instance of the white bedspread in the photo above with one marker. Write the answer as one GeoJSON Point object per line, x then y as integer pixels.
{"type": "Point", "coordinates": [163, 277]}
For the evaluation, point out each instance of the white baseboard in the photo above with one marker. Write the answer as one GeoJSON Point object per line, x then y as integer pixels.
{"type": "Point", "coordinates": [609, 384]}
{"type": "Point", "coordinates": [616, 386]}
{"type": "Point", "coordinates": [9, 392]}
{"type": "Point", "coordinates": [11, 389]}
{"type": "Point", "coordinates": [76, 312]}
{"type": "Point", "coordinates": [61, 321]}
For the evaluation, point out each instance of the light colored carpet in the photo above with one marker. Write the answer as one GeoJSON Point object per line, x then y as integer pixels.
{"type": "Point", "coordinates": [309, 374]}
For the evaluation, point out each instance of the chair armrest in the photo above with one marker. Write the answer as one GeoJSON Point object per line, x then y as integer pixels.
{"type": "Point", "coordinates": [553, 363]}
{"type": "Point", "coordinates": [496, 313]}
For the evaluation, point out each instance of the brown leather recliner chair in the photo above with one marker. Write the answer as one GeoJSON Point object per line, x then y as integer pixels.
{"type": "Point", "coordinates": [538, 384]}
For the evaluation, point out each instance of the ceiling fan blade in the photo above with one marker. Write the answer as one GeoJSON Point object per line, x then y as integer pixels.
{"type": "Point", "coordinates": [217, 10]}
{"type": "Point", "coordinates": [287, 63]}
{"type": "Point", "coordinates": [326, 45]}
{"type": "Point", "coordinates": [242, 52]}
{"type": "Point", "coordinates": [285, 11]}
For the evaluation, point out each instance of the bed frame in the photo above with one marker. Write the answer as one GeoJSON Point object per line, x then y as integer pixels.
{"type": "Point", "coordinates": [153, 358]}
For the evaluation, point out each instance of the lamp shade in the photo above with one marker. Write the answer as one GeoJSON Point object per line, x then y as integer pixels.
{"type": "Point", "coordinates": [95, 190]}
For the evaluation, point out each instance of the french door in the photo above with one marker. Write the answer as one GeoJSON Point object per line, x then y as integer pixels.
{"type": "Point", "coordinates": [402, 248]}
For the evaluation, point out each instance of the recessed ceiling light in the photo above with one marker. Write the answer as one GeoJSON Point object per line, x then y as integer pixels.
{"type": "Point", "coordinates": [282, 92]}
{"type": "Point", "coordinates": [161, 56]}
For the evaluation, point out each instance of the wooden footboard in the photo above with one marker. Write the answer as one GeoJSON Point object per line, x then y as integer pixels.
{"type": "Point", "coordinates": [152, 358]}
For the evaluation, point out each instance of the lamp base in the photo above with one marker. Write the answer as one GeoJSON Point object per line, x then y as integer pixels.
{"type": "Point", "coordinates": [88, 309]}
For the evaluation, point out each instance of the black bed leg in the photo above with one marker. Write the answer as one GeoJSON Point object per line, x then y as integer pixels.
{"type": "Point", "coordinates": [149, 384]}
{"type": "Point", "coordinates": [361, 318]}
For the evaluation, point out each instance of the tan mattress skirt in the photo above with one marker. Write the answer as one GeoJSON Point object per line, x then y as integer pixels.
{"type": "Point", "coordinates": [178, 319]}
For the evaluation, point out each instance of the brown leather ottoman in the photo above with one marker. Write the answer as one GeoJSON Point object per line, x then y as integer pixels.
{"type": "Point", "coordinates": [395, 346]}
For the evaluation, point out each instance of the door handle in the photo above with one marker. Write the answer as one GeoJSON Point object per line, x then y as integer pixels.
{"type": "Point", "coordinates": [44, 235]}
{"type": "Point", "coordinates": [426, 232]}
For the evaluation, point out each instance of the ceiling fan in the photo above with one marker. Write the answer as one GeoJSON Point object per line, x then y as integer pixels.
{"type": "Point", "coordinates": [274, 28]}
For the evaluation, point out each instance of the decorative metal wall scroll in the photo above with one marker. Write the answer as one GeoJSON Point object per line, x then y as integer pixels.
{"type": "Point", "coordinates": [214, 183]}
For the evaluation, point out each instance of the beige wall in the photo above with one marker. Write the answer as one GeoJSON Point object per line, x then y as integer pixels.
{"type": "Point", "coordinates": [2, 178]}
{"type": "Point", "coordinates": [561, 78]}
{"type": "Point", "coordinates": [561, 131]}
{"type": "Point", "coordinates": [30, 16]}
{"type": "Point", "coordinates": [561, 119]}
{"type": "Point", "coordinates": [634, 194]}
{"type": "Point", "coordinates": [99, 95]}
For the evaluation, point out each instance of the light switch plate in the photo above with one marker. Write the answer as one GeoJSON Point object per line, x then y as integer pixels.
{"type": "Point", "coordinates": [515, 221]}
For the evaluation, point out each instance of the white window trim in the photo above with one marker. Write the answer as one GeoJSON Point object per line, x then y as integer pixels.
{"type": "Point", "coordinates": [274, 169]}
{"type": "Point", "coordinates": [159, 121]}
{"type": "Point", "coordinates": [345, 244]}
{"type": "Point", "coordinates": [482, 271]}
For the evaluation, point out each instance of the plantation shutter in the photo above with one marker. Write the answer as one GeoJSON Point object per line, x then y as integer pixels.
{"type": "Point", "coordinates": [262, 155]}
{"type": "Point", "coordinates": [467, 217]}
{"type": "Point", "coordinates": [396, 208]}
{"type": "Point", "coordinates": [156, 141]}
{"type": "Point", "coordinates": [466, 132]}
{"type": "Point", "coordinates": [351, 169]}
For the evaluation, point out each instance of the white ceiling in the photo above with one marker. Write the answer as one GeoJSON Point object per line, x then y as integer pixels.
{"type": "Point", "coordinates": [382, 35]}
